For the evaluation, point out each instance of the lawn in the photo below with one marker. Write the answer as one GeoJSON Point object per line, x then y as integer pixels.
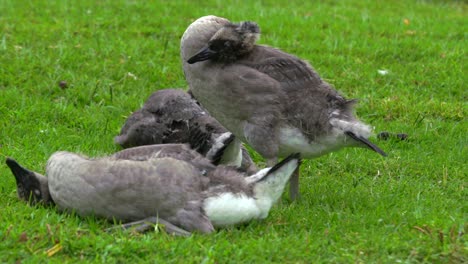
{"type": "Point", "coordinates": [356, 206]}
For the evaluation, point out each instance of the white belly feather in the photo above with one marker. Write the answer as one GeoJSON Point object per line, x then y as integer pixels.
{"type": "Point", "coordinates": [229, 209]}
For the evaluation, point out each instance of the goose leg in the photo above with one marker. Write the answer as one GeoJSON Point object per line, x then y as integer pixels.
{"type": "Point", "coordinates": [294, 185]}
{"type": "Point", "coordinates": [293, 181]}
{"type": "Point", "coordinates": [148, 224]}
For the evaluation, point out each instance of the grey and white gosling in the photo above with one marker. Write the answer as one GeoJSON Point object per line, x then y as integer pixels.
{"type": "Point", "coordinates": [141, 187]}
{"type": "Point", "coordinates": [272, 100]}
{"type": "Point", "coordinates": [174, 116]}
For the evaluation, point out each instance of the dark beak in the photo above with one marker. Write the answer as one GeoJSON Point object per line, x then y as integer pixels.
{"type": "Point", "coordinates": [366, 142]}
{"type": "Point", "coordinates": [204, 54]}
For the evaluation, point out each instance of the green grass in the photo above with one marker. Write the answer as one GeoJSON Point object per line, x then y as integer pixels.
{"type": "Point", "coordinates": [356, 207]}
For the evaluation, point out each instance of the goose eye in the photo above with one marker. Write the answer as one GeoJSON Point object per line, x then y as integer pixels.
{"type": "Point", "coordinates": [218, 45]}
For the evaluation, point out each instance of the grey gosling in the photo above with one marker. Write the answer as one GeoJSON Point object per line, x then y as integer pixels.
{"type": "Point", "coordinates": [157, 184]}
{"type": "Point", "coordinates": [267, 98]}
{"type": "Point", "coordinates": [174, 116]}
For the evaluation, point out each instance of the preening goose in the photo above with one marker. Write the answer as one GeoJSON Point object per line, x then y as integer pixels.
{"type": "Point", "coordinates": [174, 116]}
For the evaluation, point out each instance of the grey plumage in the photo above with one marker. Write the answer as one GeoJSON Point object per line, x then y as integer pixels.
{"type": "Point", "coordinates": [270, 99]}
{"type": "Point", "coordinates": [174, 116]}
{"type": "Point", "coordinates": [164, 118]}
{"type": "Point", "coordinates": [168, 182]}
{"type": "Point", "coordinates": [175, 151]}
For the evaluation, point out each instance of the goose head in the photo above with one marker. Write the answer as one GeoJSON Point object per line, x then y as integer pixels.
{"type": "Point", "coordinates": [31, 186]}
{"type": "Point", "coordinates": [197, 34]}
{"type": "Point", "coordinates": [222, 40]}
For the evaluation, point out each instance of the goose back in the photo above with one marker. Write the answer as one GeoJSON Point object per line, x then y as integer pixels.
{"type": "Point", "coordinates": [124, 189]}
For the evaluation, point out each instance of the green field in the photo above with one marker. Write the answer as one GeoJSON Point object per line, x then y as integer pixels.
{"type": "Point", "coordinates": [356, 207]}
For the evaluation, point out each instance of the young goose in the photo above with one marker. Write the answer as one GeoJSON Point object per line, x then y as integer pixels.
{"type": "Point", "coordinates": [153, 184]}
{"type": "Point", "coordinates": [174, 116]}
{"type": "Point", "coordinates": [270, 99]}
